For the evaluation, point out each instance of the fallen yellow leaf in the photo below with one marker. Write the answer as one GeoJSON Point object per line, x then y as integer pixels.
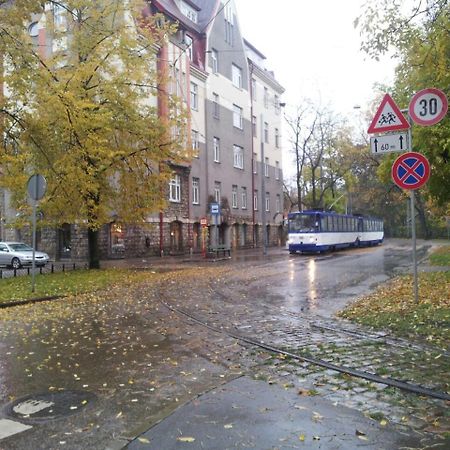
{"type": "Point", "coordinates": [185, 439]}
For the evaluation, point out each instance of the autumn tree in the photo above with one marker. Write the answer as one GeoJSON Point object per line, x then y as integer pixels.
{"type": "Point", "coordinates": [81, 109]}
{"type": "Point", "coordinates": [420, 39]}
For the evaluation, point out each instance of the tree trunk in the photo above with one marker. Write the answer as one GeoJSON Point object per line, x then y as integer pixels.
{"type": "Point", "coordinates": [420, 208]}
{"type": "Point", "coordinates": [94, 257]}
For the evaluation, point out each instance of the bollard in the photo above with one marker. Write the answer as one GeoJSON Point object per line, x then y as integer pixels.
{"type": "Point", "coordinates": [63, 268]}
{"type": "Point", "coordinates": [15, 272]}
{"type": "Point", "coordinates": [28, 271]}
{"type": "Point", "coordinates": [73, 266]}
{"type": "Point", "coordinates": [1, 274]}
{"type": "Point", "coordinates": [52, 269]}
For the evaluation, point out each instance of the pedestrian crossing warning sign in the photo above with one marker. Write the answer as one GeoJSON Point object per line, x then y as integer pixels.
{"type": "Point", "coordinates": [388, 117]}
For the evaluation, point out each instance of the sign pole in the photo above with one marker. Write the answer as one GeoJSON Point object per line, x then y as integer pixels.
{"type": "Point", "coordinates": [413, 225]}
{"type": "Point", "coordinates": [413, 233]}
{"type": "Point", "coordinates": [33, 263]}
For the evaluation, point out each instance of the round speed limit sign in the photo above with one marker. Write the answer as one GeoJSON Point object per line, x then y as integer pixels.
{"type": "Point", "coordinates": [428, 106]}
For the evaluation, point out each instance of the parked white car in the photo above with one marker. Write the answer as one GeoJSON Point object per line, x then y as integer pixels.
{"type": "Point", "coordinates": [18, 254]}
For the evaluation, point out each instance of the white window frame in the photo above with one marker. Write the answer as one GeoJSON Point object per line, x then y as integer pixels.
{"type": "Point", "coordinates": [254, 126]}
{"type": "Point", "coordinates": [194, 96]}
{"type": "Point", "coordinates": [238, 120]}
{"type": "Point", "coordinates": [277, 170]}
{"type": "Point", "coordinates": [195, 142]}
{"type": "Point", "coordinates": [234, 196]}
{"type": "Point", "coordinates": [266, 97]}
{"type": "Point", "coordinates": [253, 89]}
{"type": "Point", "coordinates": [266, 132]}
{"type": "Point", "coordinates": [276, 100]}
{"type": "Point", "coordinates": [188, 42]}
{"type": "Point", "coordinates": [238, 157]}
{"type": "Point", "coordinates": [243, 197]}
{"type": "Point", "coordinates": [214, 60]}
{"type": "Point", "coordinates": [189, 12]}
{"type": "Point", "coordinates": [195, 191]}
{"type": "Point", "coordinates": [216, 149]}
{"type": "Point", "coordinates": [266, 167]}
{"type": "Point", "coordinates": [255, 200]}
{"type": "Point", "coordinates": [236, 76]}
{"type": "Point", "coordinates": [216, 106]}
{"type": "Point", "coordinates": [255, 164]}
{"type": "Point", "coordinates": [267, 201]}
{"type": "Point", "coordinates": [175, 189]}
{"type": "Point", "coordinates": [277, 138]}
{"type": "Point", "coordinates": [278, 203]}
{"type": "Point", "coordinates": [217, 191]}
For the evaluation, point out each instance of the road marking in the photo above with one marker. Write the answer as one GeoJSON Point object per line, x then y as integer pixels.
{"type": "Point", "coordinates": [10, 427]}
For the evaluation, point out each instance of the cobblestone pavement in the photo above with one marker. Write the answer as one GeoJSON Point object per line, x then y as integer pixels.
{"type": "Point", "coordinates": [262, 316]}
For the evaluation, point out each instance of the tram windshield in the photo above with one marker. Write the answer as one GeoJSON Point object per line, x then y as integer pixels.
{"type": "Point", "coordinates": [303, 223]}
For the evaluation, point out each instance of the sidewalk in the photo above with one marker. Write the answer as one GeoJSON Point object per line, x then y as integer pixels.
{"type": "Point", "coordinates": [245, 413]}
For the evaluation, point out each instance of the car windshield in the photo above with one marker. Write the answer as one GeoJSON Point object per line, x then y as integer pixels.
{"type": "Point", "coordinates": [20, 247]}
{"type": "Point", "coordinates": [302, 223]}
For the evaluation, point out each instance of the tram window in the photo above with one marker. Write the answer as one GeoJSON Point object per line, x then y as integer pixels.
{"type": "Point", "coordinates": [329, 223]}
{"type": "Point", "coordinates": [323, 224]}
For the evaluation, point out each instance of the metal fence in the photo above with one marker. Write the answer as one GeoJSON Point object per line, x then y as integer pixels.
{"type": "Point", "coordinates": [49, 268]}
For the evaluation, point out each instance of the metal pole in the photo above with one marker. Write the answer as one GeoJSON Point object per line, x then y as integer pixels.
{"type": "Point", "coordinates": [413, 232]}
{"type": "Point", "coordinates": [263, 190]}
{"type": "Point", "coordinates": [413, 224]}
{"type": "Point", "coordinates": [33, 263]}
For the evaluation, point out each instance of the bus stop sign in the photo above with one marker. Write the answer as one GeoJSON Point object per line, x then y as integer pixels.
{"type": "Point", "coordinates": [411, 170]}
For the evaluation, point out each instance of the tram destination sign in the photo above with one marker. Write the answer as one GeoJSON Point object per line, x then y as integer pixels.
{"type": "Point", "coordinates": [394, 142]}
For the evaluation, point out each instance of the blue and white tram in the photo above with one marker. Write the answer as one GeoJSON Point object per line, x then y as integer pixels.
{"type": "Point", "coordinates": [317, 231]}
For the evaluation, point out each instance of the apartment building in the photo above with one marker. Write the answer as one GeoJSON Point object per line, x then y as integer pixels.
{"type": "Point", "coordinates": [234, 131]}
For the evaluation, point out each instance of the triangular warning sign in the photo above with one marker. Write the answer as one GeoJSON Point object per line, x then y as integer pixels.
{"type": "Point", "coordinates": [388, 117]}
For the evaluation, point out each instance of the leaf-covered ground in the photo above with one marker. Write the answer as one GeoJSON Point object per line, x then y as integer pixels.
{"type": "Point", "coordinates": [441, 256]}
{"type": "Point", "coordinates": [66, 283]}
{"type": "Point", "coordinates": [392, 307]}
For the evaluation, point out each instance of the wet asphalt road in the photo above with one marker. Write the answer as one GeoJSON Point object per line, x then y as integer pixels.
{"type": "Point", "coordinates": [137, 361]}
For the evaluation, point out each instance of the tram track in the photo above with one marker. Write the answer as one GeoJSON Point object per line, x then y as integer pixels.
{"type": "Point", "coordinates": [392, 382]}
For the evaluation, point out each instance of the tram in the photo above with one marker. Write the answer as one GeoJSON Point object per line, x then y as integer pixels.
{"type": "Point", "coordinates": [319, 231]}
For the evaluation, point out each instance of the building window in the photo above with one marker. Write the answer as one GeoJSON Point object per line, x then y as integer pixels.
{"type": "Point", "coordinates": [175, 189]}
{"type": "Point", "coordinates": [189, 12]}
{"type": "Point", "coordinates": [238, 157]}
{"type": "Point", "coordinates": [236, 76]}
{"type": "Point", "coordinates": [194, 96]}
{"type": "Point", "coordinates": [278, 203]}
{"type": "Point", "coordinates": [244, 197]}
{"type": "Point", "coordinates": [189, 47]}
{"type": "Point", "coordinates": [266, 97]}
{"type": "Point", "coordinates": [217, 189]}
{"type": "Point", "coordinates": [234, 196]}
{"type": "Point", "coordinates": [266, 167]}
{"type": "Point", "coordinates": [229, 22]}
{"type": "Point", "coordinates": [216, 149]}
{"type": "Point", "coordinates": [255, 200]}
{"type": "Point", "coordinates": [277, 138]}
{"type": "Point", "coordinates": [266, 132]}
{"type": "Point", "coordinates": [277, 170]}
{"type": "Point", "coordinates": [238, 121]}
{"type": "Point", "coordinates": [255, 164]}
{"type": "Point", "coordinates": [253, 89]}
{"type": "Point", "coordinates": [195, 191]}
{"type": "Point", "coordinates": [215, 60]}
{"type": "Point", "coordinates": [216, 106]}
{"type": "Point", "coordinates": [195, 143]}
{"type": "Point", "coordinates": [267, 201]}
{"type": "Point", "coordinates": [59, 17]}
{"type": "Point", "coordinates": [254, 126]}
{"type": "Point", "coordinates": [276, 101]}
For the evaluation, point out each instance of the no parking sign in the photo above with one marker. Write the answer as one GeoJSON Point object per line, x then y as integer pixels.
{"type": "Point", "coordinates": [411, 170]}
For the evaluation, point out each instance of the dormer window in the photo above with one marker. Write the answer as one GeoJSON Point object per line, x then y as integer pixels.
{"type": "Point", "coordinates": [188, 11]}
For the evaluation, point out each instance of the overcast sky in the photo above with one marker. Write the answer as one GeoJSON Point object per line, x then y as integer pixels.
{"type": "Point", "coordinates": [313, 49]}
